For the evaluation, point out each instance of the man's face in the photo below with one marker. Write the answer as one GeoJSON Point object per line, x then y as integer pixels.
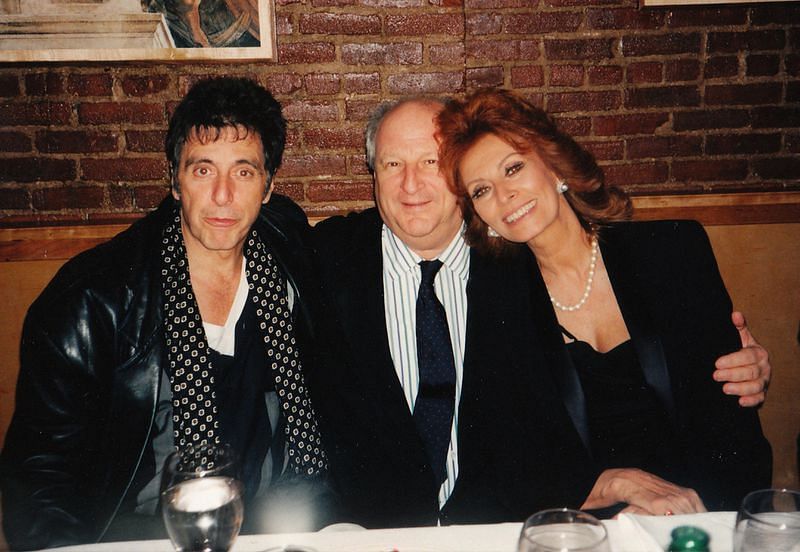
{"type": "Point", "coordinates": [412, 196]}
{"type": "Point", "coordinates": [222, 186]}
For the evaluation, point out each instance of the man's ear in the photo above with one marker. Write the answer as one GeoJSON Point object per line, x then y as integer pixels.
{"type": "Point", "coordinates": [267, 191]}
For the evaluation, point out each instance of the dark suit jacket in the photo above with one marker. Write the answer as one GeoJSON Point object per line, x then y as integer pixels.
{"type": "Point", "coordinates": [677, 311]}
{"type": "Point", "coordinates": [376, 456]}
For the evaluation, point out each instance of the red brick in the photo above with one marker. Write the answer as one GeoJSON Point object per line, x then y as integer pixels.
{"type": "Point", "coordinates": [605, 151]}
{"type": "Point", "coordinates": [358, 165]}
{"type": "Point", "coordinates": [424, 24]}
{"type": "Point", "coordinates": [792, 62]}
{"type": "Point", "coordinates": [581, 49]}
{"type": "Point", "coordinates": [566, 75]}
{"type": "Point", "coordinates": [283, 24]}
{"type": "Point", "coordinates": [664, 146]}
{"type": "Point", "coordinates": [293, 137]}
{"type": "Point", "coordinates": [128, 169]}
{"type": "Point", "coordinates": [636, 173]}
{"type": "Point", "coordinates": [775, 117]}
{"type": "Point", "coordinates": [763, 65]}
{"type": "Point", "coordinates": [583, 101]}
{"type": "Point", "coordinates": [310, 111]}
{"type": "Point", "coordinates": [399, 53]}
{"type": "Point", "coordinates": [76, 141]}
{"type": "Point", "coordinates": [359, 110]}
{"type": "Point", "coordinates": [721, 66]}
{"type": "Point", "coordinates": [306, 52]}
{"type": "Point", "coordinates": [9, 85]}
{"type": "Point", "coordinates": [120, 112]}
{"type": "Point", "coordinates": [661, 45]}
{"type": "Point", "coordinates": [663, 96]}
{"type": "Point", "coordinates": [148, 197]}
{"type": "Point", "coordinates": [35, 113]}
{"type": "Point", "coordinates": [779, 14]}
{"type": "Point", "coordinates": [645, 71]}
{"type": "Point", "coordinates": [677, 70]}
{"type": "Point", "coordinates": [787, 168]}
{"type": "Point", "coordinates": [340, 190]}
{"type": "Point", "coordinates": [334, 138]}
{"type": "Point", "coordinates": [322, 84]}
{"type": "Point", "coordinates": [793, 143]}
{"type": "Point", "coordinates": [495, 4]}
{"type": "Point", "coordinates": [120, 197]}
{"type": "Point", "coordinates": [484, 76]}
{"type": "Point", "coordinates": [44, 84]}
{"type": "Point", "coordinates": [362, 83]}
{"type": "Point", "coordinates": [749, 41]}
{"type": "Point", "coordinates": [707, 17]}
{"type": "Point", "coordinates": [743, 94]}
{"type": "Point", "coordinates": [547, 22]}
{"type": "Point", "coordinates": [67, 197]}
{"type": "Point", "coordinates": [14, 198]}
{"type": "Point", "coordinates": [624, 18]}
{"type": "Point", "coordinates": [14, 141]}
{"type": "Point", "coordinates": [145, 85]}
{"type": "Point", "coordinates": [145, 140]}
{"type": "Point", "coordinates": [524, 76]}
{"type": "Point", "coordinates": [313, 165]}
{"type": "Point", "coordinates": [743, 144]}
{"type": "Point", "coordinates": [619, 125]}
{"type": "Point", "coordinates": [502, 50]}
{"type": "Point", "coordinates": [35, 169]}
{"type": "Point", "coordinates": [339, 24]}
{"type": "Point", "coordinates": [284, 83]}
{"type": "Point", "coordinates": [581, 3]}
{"type": "Point", "coordinates": [293, 190]}
{"type": "Point", "coordinates": [574, 126]}
{"type": "Point", "coordinates": [89, 85]}
{"type": "Point", "coordinates": [604, 74]}
{"type": "Point", "coordinates": [451, 53]}
{"type": "Point", "coordinates": [710, 119]}
{"type": "Point", "coordinates": [425, 83]}
{"type": "Point", "coordinates": [484, 24]}
{"type": "Point", "coordinates": [712, 169]}
{"type": "Point", "coordinates": [793, 91]}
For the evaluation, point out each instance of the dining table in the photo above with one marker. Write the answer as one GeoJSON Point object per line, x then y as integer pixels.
{"type": "Point", "coordinates": [626, 533]}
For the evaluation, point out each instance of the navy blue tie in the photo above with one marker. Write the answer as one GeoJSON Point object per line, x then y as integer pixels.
{"type": "Point", "coordinates": [433, 409]}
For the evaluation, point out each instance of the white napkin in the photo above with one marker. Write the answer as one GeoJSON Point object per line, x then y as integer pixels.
{"type": "Point", "coordinates": [634, 533]}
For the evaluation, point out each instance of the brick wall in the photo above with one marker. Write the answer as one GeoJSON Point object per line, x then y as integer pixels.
{"type": "Point", "coordinates": [679, 100]}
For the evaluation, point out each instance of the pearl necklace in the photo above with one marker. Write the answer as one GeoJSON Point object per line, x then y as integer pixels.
{"type": "Point", "coordinates": [586, 290]}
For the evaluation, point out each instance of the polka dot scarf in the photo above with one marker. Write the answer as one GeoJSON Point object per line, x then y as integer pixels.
{"type": "Point", "coordinates": [194, 409]}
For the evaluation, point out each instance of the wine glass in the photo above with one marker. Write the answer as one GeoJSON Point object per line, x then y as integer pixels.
{"type": "Point", "coordinates": [202, 500]}
{"type": "Point", "coordinates": [562, 530]}
{"type": "Point", "coordinates": [768, 519]}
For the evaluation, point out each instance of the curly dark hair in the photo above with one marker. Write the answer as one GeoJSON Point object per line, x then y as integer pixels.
{"type": "Point", "coordinates": [528, 129]}
{"type": "Point", "coordinates": [214, 104]}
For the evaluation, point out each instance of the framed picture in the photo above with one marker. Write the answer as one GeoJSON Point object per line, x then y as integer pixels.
{"type": "Point", "coordinates": [123, 30]}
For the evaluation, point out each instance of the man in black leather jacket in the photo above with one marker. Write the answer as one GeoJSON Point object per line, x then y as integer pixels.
{"type": "Point", "coordinates": [101, 346]}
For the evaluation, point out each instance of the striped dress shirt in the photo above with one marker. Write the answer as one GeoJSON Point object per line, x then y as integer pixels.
{"type": "Point", "coordinates": [401, 279]}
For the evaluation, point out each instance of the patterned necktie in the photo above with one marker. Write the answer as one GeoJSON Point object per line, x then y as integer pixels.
{"type": "Point", "coordinates": [435, 403]}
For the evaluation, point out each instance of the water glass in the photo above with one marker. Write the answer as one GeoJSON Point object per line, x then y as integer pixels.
{"type": "Point", "coordinates": [768, 519]}
{"type": "Point", "coordinates": [563, 530]}
{"type": "Point", "coordinates": [202, 501]}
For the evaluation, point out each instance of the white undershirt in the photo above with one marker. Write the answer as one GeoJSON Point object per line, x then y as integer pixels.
{"type": "Point", "coordinates": [223, 338]}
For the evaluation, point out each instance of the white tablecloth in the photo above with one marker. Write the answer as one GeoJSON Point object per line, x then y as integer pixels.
{"type": "Point", "coordinates": [629, 533]}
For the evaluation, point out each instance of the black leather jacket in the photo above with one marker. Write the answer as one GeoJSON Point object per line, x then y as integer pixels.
{"type": "Point", "coordinates": [91, 357]}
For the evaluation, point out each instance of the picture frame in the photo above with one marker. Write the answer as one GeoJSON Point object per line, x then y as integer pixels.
{"type": "Point", "coordinates": [136, 30]}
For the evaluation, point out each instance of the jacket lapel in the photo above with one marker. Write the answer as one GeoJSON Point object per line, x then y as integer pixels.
{"type": "Point", "coordinates": [641, 322]}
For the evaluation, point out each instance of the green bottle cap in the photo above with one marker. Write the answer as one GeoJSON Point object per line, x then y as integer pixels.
{"type": "Point", "coordinates": [688, 538]}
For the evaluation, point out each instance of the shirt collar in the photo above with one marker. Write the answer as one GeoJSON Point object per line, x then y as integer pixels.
{"type": "Point", "coordinates": [399, 258]}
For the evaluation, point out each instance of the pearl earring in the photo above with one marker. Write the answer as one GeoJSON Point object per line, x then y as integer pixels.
{"type": "Point", "coordinates": [561, 187]}
{"type": "Point", "coordinates": [491, 232]}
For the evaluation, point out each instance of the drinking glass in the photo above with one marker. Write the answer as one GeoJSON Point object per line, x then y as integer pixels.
{"type": "Point", "coordinates": [562, 530]}
{"type": "Point", "coordinates": [768, 520]}
{"type": "Point", "coordinates": [202, 500]}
